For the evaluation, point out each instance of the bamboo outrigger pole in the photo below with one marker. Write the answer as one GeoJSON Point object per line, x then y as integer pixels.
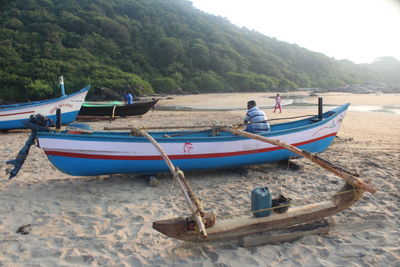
{"type": "Point", "coordinates": [346, 175]}
{"type": "Point", "coordinates": [191, 198]}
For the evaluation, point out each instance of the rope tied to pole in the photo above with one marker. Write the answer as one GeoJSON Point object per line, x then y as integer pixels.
{"type": "Point", "coordinates": [351, 150]}
{"type": "Point", "coordinates": [178, 173]}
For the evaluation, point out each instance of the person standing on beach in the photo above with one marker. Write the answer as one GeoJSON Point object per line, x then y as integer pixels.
{"type": "Point", "coordinates": [278, 103]}
{"type": "Point", "coordinates": [255, 119]}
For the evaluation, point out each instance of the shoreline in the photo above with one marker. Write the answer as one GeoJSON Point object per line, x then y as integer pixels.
{"type": "Point", "coordinates": [384, 109]}
{"type": "Point", "coordinates": [388, 103]}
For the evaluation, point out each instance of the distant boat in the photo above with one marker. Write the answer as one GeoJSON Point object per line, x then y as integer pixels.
{"type": "Point", "coordinates": [115, 109]}
{"type": "Point", "coordinates": [95, 153]}
{"type": "Point", "coordinates": [12, 116]}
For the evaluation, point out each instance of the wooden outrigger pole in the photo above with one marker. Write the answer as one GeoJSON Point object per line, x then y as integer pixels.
{"type": "Point", "coordinates": [248, 225]}
{"type": "Point", "coordinates": [194, 203]}
{"type": "Point", "coordinates": [344, 174]}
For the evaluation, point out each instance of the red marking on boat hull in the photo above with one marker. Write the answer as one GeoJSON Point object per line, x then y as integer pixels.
{"type": "Point", "coordinates": [177, 157]}
{"type": "Point", "coordinates": [18, 113]}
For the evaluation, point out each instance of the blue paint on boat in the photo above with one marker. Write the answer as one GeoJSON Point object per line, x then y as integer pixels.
{"type": "Point", "coordinates": [88, 167]}
{"type": "Point", "coordinates": [18, 124]}
{"type": "Point", "coordinates": [66, 118]}
{"type": "Point", "coordinates": [84, 165]}
{"type": "Point", "coordinates": [41, 102]}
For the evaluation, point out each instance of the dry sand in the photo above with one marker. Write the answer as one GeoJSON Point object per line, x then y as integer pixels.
{"type": "Point", "coordinates": [81, 221]}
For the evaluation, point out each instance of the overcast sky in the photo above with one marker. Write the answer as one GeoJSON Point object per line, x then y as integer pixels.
{"type": "Point", "coordinates": [358, 30]}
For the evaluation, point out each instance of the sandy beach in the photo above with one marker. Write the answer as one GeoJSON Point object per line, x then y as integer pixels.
{"type": "Point", "coordinates": [106, 220]}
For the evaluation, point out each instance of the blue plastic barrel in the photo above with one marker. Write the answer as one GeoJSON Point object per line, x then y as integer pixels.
{"type": "Point", "coordinates": [261, 199]}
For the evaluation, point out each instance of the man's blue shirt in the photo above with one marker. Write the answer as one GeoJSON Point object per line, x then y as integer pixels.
{"type": "Point", "coordinates": [128, 98]}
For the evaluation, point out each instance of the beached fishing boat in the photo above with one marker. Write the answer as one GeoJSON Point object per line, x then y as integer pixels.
{"type": "Point", "coordinates": [12, 116]}
{"type": "Point", "coordinates": [108, 152]}
{"type": "Point", "coordinates": [80, 151]}
{"type": "Point", "coordinates": [115, 109]}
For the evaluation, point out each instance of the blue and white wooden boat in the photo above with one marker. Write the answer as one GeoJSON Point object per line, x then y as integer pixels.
{"type": "Point", "coordinates": [12, 116]}
{"type": "Point", "coordinates": [107, 152]}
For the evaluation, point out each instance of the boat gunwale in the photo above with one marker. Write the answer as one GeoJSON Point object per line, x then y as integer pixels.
{"type": "Point", "coordinates": [116, 103]}
{"type": "Point", "coordinates": [118, 137]}
{"type": "Point", "coordinates": [42, 102]}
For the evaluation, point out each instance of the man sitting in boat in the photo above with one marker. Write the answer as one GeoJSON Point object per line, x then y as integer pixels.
{"type": "Point", "coordinates": [255, 119]}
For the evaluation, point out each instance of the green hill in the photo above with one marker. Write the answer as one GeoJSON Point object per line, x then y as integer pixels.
{"type": "Point", "coordinates": [157, 46]}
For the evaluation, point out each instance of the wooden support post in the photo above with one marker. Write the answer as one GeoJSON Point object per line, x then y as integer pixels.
{"type": "Point", "coordinates": [346, 175]}
{"type": "Point", "coordinates": [320, 108]}
{"type": "Point", "coordinates": [113, 113]}
{"type": "Point", "coordinates": [58, 120]}
{"type": "Point", "coordinates": [192, 200]}
{"type": "Point", "coordinates": [214, 131]}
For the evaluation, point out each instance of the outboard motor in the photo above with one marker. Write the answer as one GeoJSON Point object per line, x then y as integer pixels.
{"type": "Point", "coordinates": [39, 123]}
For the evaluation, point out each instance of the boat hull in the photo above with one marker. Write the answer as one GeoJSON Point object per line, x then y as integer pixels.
{"type": "Point", "coordinates": [116, 110]}
{"type": "Point", "coordinates": [109, 153]}
{"type": "Point", "coordinates": [13, 116]}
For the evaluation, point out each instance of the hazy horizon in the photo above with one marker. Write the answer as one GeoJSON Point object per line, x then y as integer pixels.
{"type": "Point", "coordinates": [358, 30]}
